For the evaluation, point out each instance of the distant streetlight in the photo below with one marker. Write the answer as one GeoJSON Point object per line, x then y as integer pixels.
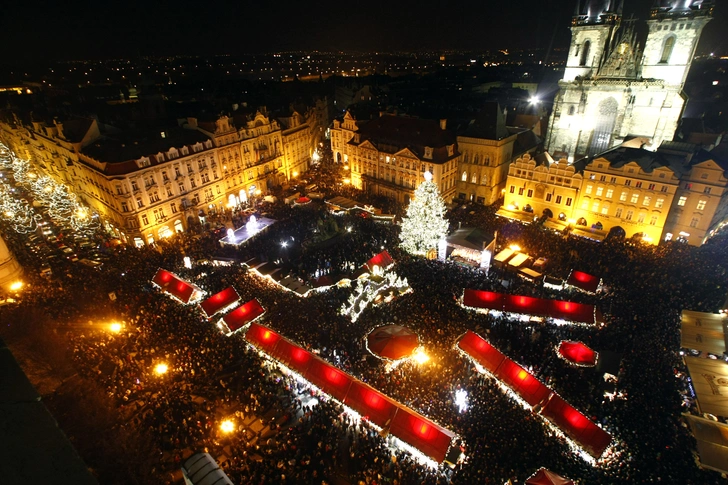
{"type": "Point", "coordinates": [115, 327]}
{"type": "Point", "coordinates": [420, 356]}
{"type": "Point", "coordinates": [161, 369]}
{"type": "Point", "coordinates": [534, 100]}
{"type": "Point", "coordinates": [16, 286]}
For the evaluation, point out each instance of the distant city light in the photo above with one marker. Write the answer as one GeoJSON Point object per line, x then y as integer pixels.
{"type": "Point", "coordinates": [161, 369]}
{"type": "Point", "coordinates": [115, 327]}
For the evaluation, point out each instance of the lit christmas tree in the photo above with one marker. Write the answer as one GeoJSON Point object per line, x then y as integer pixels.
{"type": "Point", "coordinates": [424, 225]}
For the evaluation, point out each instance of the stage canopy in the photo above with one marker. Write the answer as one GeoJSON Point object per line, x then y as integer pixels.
{"type": "Point", "coordinates": [577, 353]}
{"type": "Point", "coordinates": [392, 342]}
{"type": "Point", "coordinates": [547, 477]}
{"type": "Point", "coordinates": [583, 281]}
{"type": "Point", "coordinates": [706, 332]}
{"type": "Point", "coordinates": [175, 286]}
{"type": "Point", "coordinates": [243, 315]}
{"type": "Point", "coordinates": [564, 310]}
{"type": "Point", "coordinates": [382, 260]}
{"type": "Point", "coordinates": [712, 438]}
{"type": "Point", "coordinates": [219, 301]}
{"type": "Point", "coordinates": [710, 381]}
{"type": "Point", "coordinates": [404, 423]}
{"type": "Point", "coordinates": [578, 427]}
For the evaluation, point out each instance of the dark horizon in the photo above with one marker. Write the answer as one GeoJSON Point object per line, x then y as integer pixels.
{"type": "Point", "coordinates": [49, 31]}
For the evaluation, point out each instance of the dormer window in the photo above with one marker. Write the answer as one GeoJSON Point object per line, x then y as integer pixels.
{"type": "Point", "coordinates": [428, 152]}
{"type": "Point", "coordinates": [450, 150]}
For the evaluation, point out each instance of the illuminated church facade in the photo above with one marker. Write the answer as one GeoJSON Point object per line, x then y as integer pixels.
{"type": "Point", "coordinates": [620, 84]}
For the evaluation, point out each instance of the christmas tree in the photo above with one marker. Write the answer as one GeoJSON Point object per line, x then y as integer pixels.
{"type": "Point", "coordinates": [425, 225]}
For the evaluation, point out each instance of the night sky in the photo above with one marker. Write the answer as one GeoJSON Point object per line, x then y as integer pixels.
{"type": "Point", "coordinates": [51, 30]}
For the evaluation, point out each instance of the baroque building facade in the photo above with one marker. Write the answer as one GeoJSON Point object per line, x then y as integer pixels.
{"type": "Point", "coordinates": [678, 192]}
{"type": "Point", "coordinates": [149, 184]}
{"type": "Point", "coordinates": [619, 84]}
{"type": "Point", "coordinates": [389, 155]}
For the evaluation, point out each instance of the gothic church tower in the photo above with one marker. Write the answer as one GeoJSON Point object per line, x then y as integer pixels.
{"type": "Point", "coordinates": [619, 83]}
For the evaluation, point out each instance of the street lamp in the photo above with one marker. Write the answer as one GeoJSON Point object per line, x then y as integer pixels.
{"type": "Point", "coordinates": [161, 369]}
{"type": "Point", "coordinates": [115, 327]}
{"type": "Point", "coordinates": [227, 426]}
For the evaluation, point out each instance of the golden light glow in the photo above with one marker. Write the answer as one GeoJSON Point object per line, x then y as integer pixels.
{"type": "Point", "coordinates": [227, 426]}
{"type": "Point", "coordinates": [295, 174]}
{"type": "Point", "coordinates": [16, 286]}
{"type": "Point", "coordinates": [115, 327]}
{"type": "Point", "coordinates": [258, 192]}
{"type": "Point", "coordinates": [347, 181]}
{"type": "Point", "coordinates": [32, 175]}
{"type": "Point", "coordinates": [48, 189]}
{"type": "Point", "coordinates": [420, 356]}
{"type": "Point", "coordinates": [161, 369]}
{"type": "Point", "coordinates": [515, 247]}
{"type": "Point", "coordinates": [9, 214]}
{"type": "Point", "coordinates": [346, 167]}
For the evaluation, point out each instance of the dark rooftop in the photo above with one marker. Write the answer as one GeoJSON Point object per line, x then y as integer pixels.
{"type": "Point", "coordinates": [134, 144]}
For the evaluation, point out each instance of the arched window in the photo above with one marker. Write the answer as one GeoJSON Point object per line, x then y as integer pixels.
{"type": "Point", "coordinates": [667, 49]}
{"type": "Point", "coordinates": [604, 126]}
{"type": "Point", "coordinates": [585, 53]}
{"type": "Point", "coordinates": [464, 178]}
{"type": "Point", "coordinates": [484, 180]}
{"type": "Point", "coordinates": [474, 178]}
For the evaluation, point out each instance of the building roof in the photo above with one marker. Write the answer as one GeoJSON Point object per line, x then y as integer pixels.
{"type": "Point", "coordinates": [470, 237]}
{"type": "Point", "coordinates": [621, 155]}
{"type": "Point", "coordinates": [135, 144]}
{"type": "Point", "coordinates": [393, 133]}
{"type": "Point", "coordinates": [33, 447]}
{"type": "Point", "coordinates": [489, 123]}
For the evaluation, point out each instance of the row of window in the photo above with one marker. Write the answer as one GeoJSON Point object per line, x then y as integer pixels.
{"type": "Point", "coordinates": [474, 178]}
{"type": "Point", "coordinates": [684, 198]}
{"type": "Point", "coordinates": [549, 197]}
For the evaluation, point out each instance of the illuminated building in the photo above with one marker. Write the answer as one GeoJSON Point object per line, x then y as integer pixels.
{"type": "Point", "coordinates": [488, 147]}
{"type": "Point", "coordinates": [620, 84]}
{"type": "Point", "coordinates": [10, 270]}
{"type": "Point", "coordinates": [674, 193]}
{"type": "Point", "coordinates": [389, 155]}
{"type": "Point", "coordinates": [149, 184]}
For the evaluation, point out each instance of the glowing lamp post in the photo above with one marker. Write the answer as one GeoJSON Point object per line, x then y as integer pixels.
{"type": "Point", "coordinates": [115, 327]}
{"type": "Point", "coordinates": [227, 426]}
{"type": "Point", "coordinates": [161, 369]}
{"type": "Point", "coordinates": [420, 356]}
{"type": "Point", "coordinates": [16, 286]}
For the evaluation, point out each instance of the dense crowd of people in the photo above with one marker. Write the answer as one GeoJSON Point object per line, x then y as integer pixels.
{"type": "Point", "coordinates": [212, 376]}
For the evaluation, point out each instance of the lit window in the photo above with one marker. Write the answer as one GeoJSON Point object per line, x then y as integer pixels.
{"type": "Point", "coordinates": [659, 202]}
{"type": "Point", "coordinates": [610, 192]}
{"type": "Point", "coordinates": [585, 204]}
{"type": "Point", "coordinates": [682, 200]}
{"type": "Point", "coordinates": [706, 190]}
{"type": "Point", "coordinates": [589, 189]}
{"type": "Point", "coordinates": [701, 204]}
{"type": "Point", "coordinates": [600, 190]}
{"type": "Point", "coordinates": [605, 209]}
{"type": "Point", "coordinates": [623, 196]}
{"type": "Point", "coordinates": [635, 198]}
{"type": "Point", "coordinates": [641, 217]}
{"type": "Point", "coordinates": [464, 178]}
{"type": "Point", "coordinates": [595, 206]}
{"type": "Point", "coordinates": [647, 200]}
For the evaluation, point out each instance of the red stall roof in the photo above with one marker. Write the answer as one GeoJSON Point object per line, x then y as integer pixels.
{"type": "Point", "coordinates": [328, 378]}
{"type": "Point", "coordinates": [220, 300]}
{"type": "Point", "coordinates": [547, 477]}
{"type": "Point", "coordinates": [243, 314]}
{"type": "Point", "coordinates": [577, 353]}
{"type": "Point", "coordinates": [370, 403]}
{"type": "Point", "coordinates": [565, 310]}
{"type": "Point", "coordinates": [174, 285]}
{"type": "Point", "coordinates": [480, 350]}
{"type": "Point", "coordinates": [575, 425]}
{"type": "Point", "coordinates": [578, 427]}
{"type": "Point", "coordinates": [420, 432]}
{"type": "Point", "coordinates": [383, 260]}
{"type": "Point", "coordinates": [583, 281]}
{"type": "Point", "coordinates": [522, 382]}
{"type": "Point", "coordinates": [428, 437]}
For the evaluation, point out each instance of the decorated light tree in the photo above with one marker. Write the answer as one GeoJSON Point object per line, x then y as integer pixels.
{"type": "Point", "coordinates": [425, 225]}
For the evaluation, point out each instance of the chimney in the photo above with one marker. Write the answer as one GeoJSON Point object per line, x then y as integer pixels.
{"type": "Point", "coordinates": [443, 124]}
